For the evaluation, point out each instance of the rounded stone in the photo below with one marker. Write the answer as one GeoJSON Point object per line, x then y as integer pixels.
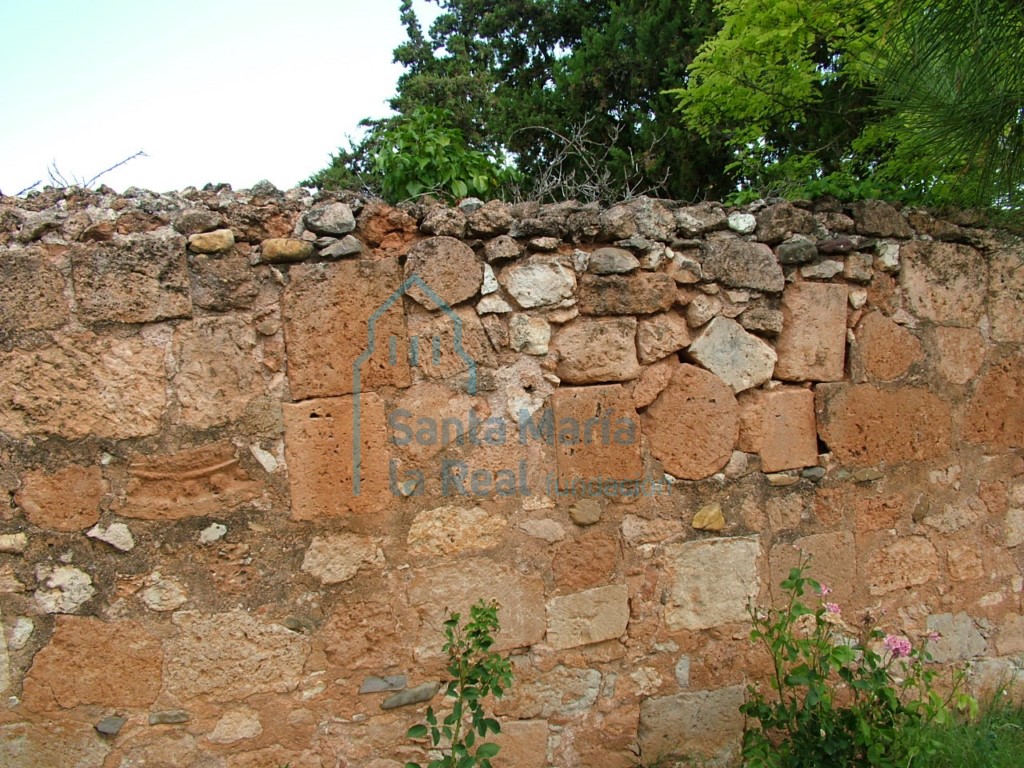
{"type": "Point", "coordinates": [693, 425]}
{"type": "Point", "coordinates": [448, 267]}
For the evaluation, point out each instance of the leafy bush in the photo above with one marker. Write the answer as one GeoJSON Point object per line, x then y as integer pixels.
{"type": "Point", "coordinates": [841, 700]}
{"type": "Point", "coordinates": [477, 672]}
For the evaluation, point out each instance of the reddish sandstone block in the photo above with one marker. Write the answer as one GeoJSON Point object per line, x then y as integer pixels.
{"type": "Point", "coordinates": [448, 267]}
{"type": "Point", "coordinates": [887, 350]}
{"type": "Point", "coordinates": [779, 424]}
{"type": "Point", "coordinates": [89, 661]}
{"type": "Point", "coordinates": [327, 314]}
{"type": "Point", "coordinates": [639, 294]}
{"type": "Point", "coordinates": [31, 291]}
{"type": "Point", "coordinates": [199, 481]}
{"type": "Point", "coordinates": [863, 424]}
{"type": "Point", "coordinates": [67, 500]}
{"type": "Point", "coordinates": [994, 415]}
{"type": "Point", "coordinates": [593, 350]}
{"type": "Point", "coordinates": [320, 451]}
{"type": "Point", "coordinates": [812, 345]}
{"type": "Point", "coordinates": [906, 562]}
{"type": "Point", "coordinates": [693, 424]}
{"type": "Point", "coordinates": [944, 282]}
{"type": "Point", "coordinates": [961, 353]}
{"type": "Point", "coordinates": [597, 434]}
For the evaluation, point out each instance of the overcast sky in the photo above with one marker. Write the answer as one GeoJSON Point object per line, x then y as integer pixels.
{"type": "Point", "coordinates": [212, 90]}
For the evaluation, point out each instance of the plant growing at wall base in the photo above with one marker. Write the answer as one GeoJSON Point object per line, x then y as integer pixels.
{"type": "Point", "coordinates": [839, 699]}
{"type": "Point", "coordinates": [476, 673]}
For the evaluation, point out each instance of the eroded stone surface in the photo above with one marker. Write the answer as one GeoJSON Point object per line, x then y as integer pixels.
{"type": "Point", "coordinates": [994, 415]}
{"type": "Point", "coordinates": [906, 562]}
{"type": "Point", "coordinates": [738, 358]}
{"type": "Point", "coordinates": [81, 385]}
{"type": "Point", "coordinates": [944, 282]}
{"type": "Point", "coordinates": [320, 450]}
{"type": "Point", "coordinates": [887, 350]}
{"type": "Point", "coordinates": [451, 529]}
{"type": "Point", "coordinates": [448, 267]}
{"type": "Point", "coordinates": [89, 661]}
{"type": "Point", "coordinates": [779, 425]}
{"type": "Point", "coordinates": [597, 350]}
{"type": "Point", "coordinates": [328, 309]}
{"type": "Point", "coordinates": [812, 343]}
{"type": "Point", "coordinates": [538, 282]}
{"type": "Point", "coordinates": [588, 617]}
{"type": "Point", "coordinates": [961, 353]}
{"type": "Point", "coordinates": [710, 581]}
{"type": "Point", "coordinates": [66, 500]}
{"type": "Point", "coordinates": [709, 720]}
{"type": "Point", "coordinates": [660, 335]}
{"type": "Point", "coordinates": [693, 424]}
{"type": "Point", "coordinates": [597, 434]}
{"type": "Point", "coordinates": [66, 744]}
{"type": "Point", "coordinates": [231, 656]}
{"type": "Point", "coordinates": [31, 291]}
{"type": "Point", "coordinates": [638, 294]}
{"type": "Point", "coordinates": [337, 558]}
{"type": "Point", "coordinates": [742, 264]}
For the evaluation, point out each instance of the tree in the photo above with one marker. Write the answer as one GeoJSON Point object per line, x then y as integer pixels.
{"type": "Point", "coordinates": [571, 92]}
{"type": "Point", "coordinates": [899, 98]}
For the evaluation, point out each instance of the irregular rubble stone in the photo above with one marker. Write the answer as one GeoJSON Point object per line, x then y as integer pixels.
{"type": "Point", "coordinates": [612, 261]}
{"type": "Point", "coordinates": [588, 617]}
{"type": "Point", "coordinates": [66, 500]}
{"type": "Point", "coordinates": [194, 220]}
{"type": "Point", "coordinates": [138, 279]}
{"type": "Point", "coordinates": [782, 220]}
{"type": "Point", "coordinates": [709, 581]}
{"type": "Point", "coordinates": [865, 425]}
{"type": "Point", "coordinates": [501, 248]}
{"type": "Point", "coordinates": [449, 222]}
{"type": "Point", "coordinates": [709, 518]}
{"type": "Point", "coordinates": [330, 219]}
{"type": "Point", "coordinates": [741, 360]}
{"type": "Point", "coordinates": [117, 535]}
{"type": "Point", "coordinates": [761, 319]}
{"type": "Point", "coordinates": [529, 335]}
{"type": "Point", "coordinates": [451, 530]}
{"type": "Point", "coordinates": [69, 744]}
{"type": "Point", "coordinates": [701, 309]}
{"type": "Point", "coordinates": [335, 559]}
{"type": "Point", "coordinates": [223, 282]}
{"type": "Point", "coordinates": [660, 335]}
{"type": "Point", "coordinates": [540, 281]}
{"type": "Point", "coordinates": [799, 249]}
{"type": "Point", "coordinates": [742, 264]}
{"type": "Point", "coordinates": [994, 416]}
{"type": "Point", "coordinates": [879, 219]}
{"type": "Point", "coordinates": [812, 343]}
{"type": "Point", "coordinates": [695, 220]}
{"type": "Point", "coordinates": [93, 662]}
{"type": "Point", "coordinates": [684, 269]}
{"type": "Point", "coordinates": [236, 725]}
{"type": "Point", "coordinates": [639, 294]}
{"type": "Point", "coordinates": [693, 425]}
{"type": "Point", "coordinates": [596, 350]}
{"type": "Point", "coordinates": [284, 250]}
{"type": "Point", "coordinates": [377, 221]}
{"type": "Point", "coordinates": [218, 241]}
{"type": "Point", "coordinates": [779, 425]}
{"type": "Point", "coordinates": [448, 267]}
{"type": "Point", "coordinates": [327, 312]}
{"type": "Point", "coordinates": [743, 223]}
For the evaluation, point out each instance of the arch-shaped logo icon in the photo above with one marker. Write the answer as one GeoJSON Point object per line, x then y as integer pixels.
{"type": "Point", "coordinates": [416, 281]}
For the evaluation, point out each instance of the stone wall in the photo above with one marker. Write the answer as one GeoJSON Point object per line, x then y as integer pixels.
{"type": "Point", "coordinates": [255, 444]}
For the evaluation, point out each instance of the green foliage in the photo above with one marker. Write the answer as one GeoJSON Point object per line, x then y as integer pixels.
{"type": "Point", "coordinates": [476, 673]}
{"type": "Point", "coordinates": [995, 740]}
{"type": "Point", "coordinates": [836, 699]}
{"type": "Point", "coordinates": [906, 99]}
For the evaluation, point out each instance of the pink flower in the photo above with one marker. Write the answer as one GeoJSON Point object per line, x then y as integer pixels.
{"type": "Point", "coordinates": [824, 590]}
{"type": "Point", "coordinates": [898, 645]}
{"type": "Point", "coordinates": [934, 637]}
{"type": "Point", "coordinates": [833, 608]}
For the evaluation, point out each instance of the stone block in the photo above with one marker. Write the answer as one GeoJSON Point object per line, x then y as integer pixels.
{"type": "Point", "coordinates": [693, 425]}
{"type": "Point", "coordinates": [365, 634]}
{"type": "Point", "coordinates": [275, 250]}
{"type": "Point", "coordinates": [879, 219]}
{"type": "Point", "coordinates": [946, 283]}
{"type": "Point", "coordinates": [339, 557]}
{"type": "Point", "coordinates": [864, 425]}
{"type": "Point", "coordinates": [639, 294]}
{"type": "Point", "coordinates": [222, 282]}
{"type": "Point", "coordinates": [779, 425]}
{"type": "Point", "coordinates": [191, 483]}
{"type": "Point", "coordinates": [742, 264]}
{"type": "Point", "coordinates": [588, 617]}
{"type": "Point", "coordinates": [994, 416]}
{"type": "Point", "coordinates": [812, 343]}
{"type": "Point", "coordinates": [781, 221]}
{"type": "Point", "coordinates": [906, 562]}
{"type": "Point", "coordinates": [448, 267]}
{"type": "Point", "coordinates": [653, 380]}
{"type": "Point", "coordinates": [377, 221]}
{"type": "Point", "coordinates": [451, 530]}
{"type": "Point", "coordinates": [83, 385]}
{"type": "Point", "coordinates": [540, 281]}
{"type": "Point", "coordinates": [67, 744]}
{"type": "Point", "coordinates": [597, 350]}
{"type": "Point", "coordinates": [590, 559]}
{"type": "Point", "coordinates": [833, 563]}
{"type": "Point", "coordinates": [328, 311]}
{"type": "Point", "coordinates": [333, 219]}
{"type": "Point", "coordinates": [738, 358]}
{"type": "Point", "coordinates": [218, 372]}
{"type": "Point", "coordinates": [92, 662]}
{"type": "Point", "coordinates": [710, 581]}
{"type": "Point", "coordinates": [597, 434]}
{"type": "Point", "coordinates": [217, 241]}
{"type": "Point", "coordinates": [886, 350]}
{"type": "Point", "coordinates": [706, 721]}
{"type": "Point", "coordinates": [321, 449]}
{"type": "Point", "coordinates": [31, 291]}
{"type": "Point", "coordinates": [557, 694]}
{"type": "Point", "coordinates": [612, 261]}
{"type": "Point", "coordinates": [231, 656]}
{"type": "Point", "coordinates": [1006, 294]}
{"type": "Point", "coordinates": [137, 279]}
{"type": "Point", "coordinates": [959, 638]}
{"type": "Point", "coordinates": [523, 743]}
{"type": "Point", "coordinates": [456, 586]}
{"type": "Point", "coordinates": [66, 500]}
{"type": "Point", "coordinates": [961, 352]}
